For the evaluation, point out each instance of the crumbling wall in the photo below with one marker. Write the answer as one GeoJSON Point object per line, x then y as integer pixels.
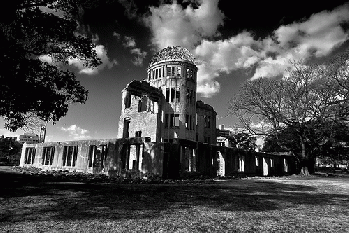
{"type": "Point", "coordinates": [141, 111]}
{"type": "Point", "coordinates": [206, 123]}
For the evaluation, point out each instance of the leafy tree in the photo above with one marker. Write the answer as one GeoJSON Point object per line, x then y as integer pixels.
{"type": "Point", "coordinates": [32, 29]}
{"type": "Point", "coordinates": [10, 149]}
{"type": "Point", "coordinates": [324, 139]}
{"type": "Point", "coordinates": [243, 141]}
{"type": "Point", "coordinates": [306, 95]}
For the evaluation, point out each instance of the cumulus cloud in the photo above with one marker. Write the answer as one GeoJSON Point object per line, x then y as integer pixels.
{"type": "Point", "coordinates": [316, 36]}
{"type": "Point", "coordinates": [76, 132]}
{"type": "Point", "coordinates": [102, 54]}
{"type": "Point", "coordinates": [117, 35]}
{"type": "Point", "coordinates": [171, 24]}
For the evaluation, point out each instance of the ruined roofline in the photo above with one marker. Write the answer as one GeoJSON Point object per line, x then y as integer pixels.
{"type": "Point", "coordinates": [143, 87]}
{"type": "Point", "coordinates": [202, 105]}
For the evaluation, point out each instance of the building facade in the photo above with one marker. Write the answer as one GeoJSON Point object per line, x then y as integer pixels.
{"type": "Point", "coordinates": [163, 130]}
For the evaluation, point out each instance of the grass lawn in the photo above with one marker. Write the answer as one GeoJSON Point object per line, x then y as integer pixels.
{"type": "Point", "coordinates": [290, 204]}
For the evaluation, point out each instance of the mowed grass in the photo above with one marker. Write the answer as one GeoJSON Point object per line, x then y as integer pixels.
{"type": "Point", "coordinates": [289, 204]}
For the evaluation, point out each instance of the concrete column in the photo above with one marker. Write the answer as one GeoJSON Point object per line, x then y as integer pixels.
{"type": "Point", "coordinates": [285, 165]}
{"type": "Point", "coordinates": [140, 161]}
{"type": "Point", "coordinates": [221, 161]}
{"type": "Point", "coordinates": [265, 167]}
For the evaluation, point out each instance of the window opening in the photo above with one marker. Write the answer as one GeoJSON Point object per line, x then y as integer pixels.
{"type": "Point", "coordinates": [207, 121]}
{"type": "Point", "coordinates": [48, 155]}
{"type": "Point", "coordinates": [70, 154]}
{"type": "Point", "coordinates": [29, 155]}
{"type": "Point", "coordinates": [167, 94]}
{"type": "Point", "coordinates": [91, 155]}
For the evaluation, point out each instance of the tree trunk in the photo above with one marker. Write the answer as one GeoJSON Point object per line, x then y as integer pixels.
{"type": "Point", "coordinates": [304, 162]}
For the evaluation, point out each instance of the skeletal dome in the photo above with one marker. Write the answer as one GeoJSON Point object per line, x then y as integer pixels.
{"type": "Point", "coordinates": [172, 53]}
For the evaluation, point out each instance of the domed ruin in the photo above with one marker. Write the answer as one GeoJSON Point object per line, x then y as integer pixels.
{"type": "Point", "coordinates": [173, 53]}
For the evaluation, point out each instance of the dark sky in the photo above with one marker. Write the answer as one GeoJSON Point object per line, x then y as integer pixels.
{"type": "Point", "coordinates": [233, 41]}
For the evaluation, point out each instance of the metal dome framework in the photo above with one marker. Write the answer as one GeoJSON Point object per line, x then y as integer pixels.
{"type": "Point", "coordinates": [172, 53]}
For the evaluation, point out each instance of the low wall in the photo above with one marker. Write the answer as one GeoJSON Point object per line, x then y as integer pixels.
{"type": "Point", "coordinates": [116, 157]}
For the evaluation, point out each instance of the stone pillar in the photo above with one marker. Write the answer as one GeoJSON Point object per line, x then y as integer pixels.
{"type": "Point", "coordinates": [265, 167]}
{"type": "Point", "coordinates": [221, 166]}
{"type": "Point", "coordinates": [140, 158]}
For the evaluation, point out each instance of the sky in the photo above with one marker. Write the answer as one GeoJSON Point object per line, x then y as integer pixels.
{"type": "Point", "coordinates": [232, 43]}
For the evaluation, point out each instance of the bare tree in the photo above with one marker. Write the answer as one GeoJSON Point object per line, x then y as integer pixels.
{"type": "Point", "coordinates": [305, 94]}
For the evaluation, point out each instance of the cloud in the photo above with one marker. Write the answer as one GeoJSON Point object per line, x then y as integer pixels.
{"type": "Point", "coordinates": [138, 59]}
{"type": "Point", "coordinates": [194, 29]}
{"type": "Point", "coordinates": [316, 36]}
{"type": "Point", "coordinates": [102, 54]}
{"type": "Point", "coordinates": [76, 132]}
{"type": "Point", "coordinates": [117, 35]}
{"type": "Point", "coordinates": [80, 64]}
{"type": "Point", "coordinates": [130, 42]}
{"type": "Point", "coordinates": [130, 8]}
{"type": "Point", "coordinates": [172, 25]}
{"type": "Point", "coordinates": [46, 58]}
{"type": "Point", "coordinates": [8, 133]}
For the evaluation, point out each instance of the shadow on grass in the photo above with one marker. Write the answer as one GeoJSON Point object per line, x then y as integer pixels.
{"type": "Point", "coordinates": [33, 198]}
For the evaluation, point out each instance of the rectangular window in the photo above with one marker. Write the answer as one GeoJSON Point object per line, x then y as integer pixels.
{"type": "Point", "coordinates": [207, 121]}
{"type": "Point", "coordinates": [29, 155]}
{"type": "Point", "coordinates": [127, 101]}
{"type": "Point", "coordinates": [179, 71]}
{"type": "Point", "coordinates": [167, 94]}
{"type": "Point", "coordinates": [171, 120]}
{"type": "Point", "coordinates": [70, 154]}
{"type": "Point", "coordinates": [48, 155]}
{"type": "Point", "coordinates": [104, 153]}
{"type": "Point", "coordinates": [91, 155]}
{"type": "Point", "coordinates": [173, 94]}
{"type": "Point", "coordinates": [142, 104]}
{"type": "Point", "coordinates": [257, 162]}
{"type": "Point", "coordinates": [176, 120]}
{"type": "Point", "coordinates": [178, 96]}
{"type": "Point", "coordinates": [188, 73]}
{"type": "Point", "coordinates": [271, 162]}
{"type": "Point", "coordinates": [170, 70]}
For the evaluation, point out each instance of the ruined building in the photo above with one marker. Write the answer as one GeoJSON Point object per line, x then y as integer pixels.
{"type": "Point", "coordinates": [163, 130]}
